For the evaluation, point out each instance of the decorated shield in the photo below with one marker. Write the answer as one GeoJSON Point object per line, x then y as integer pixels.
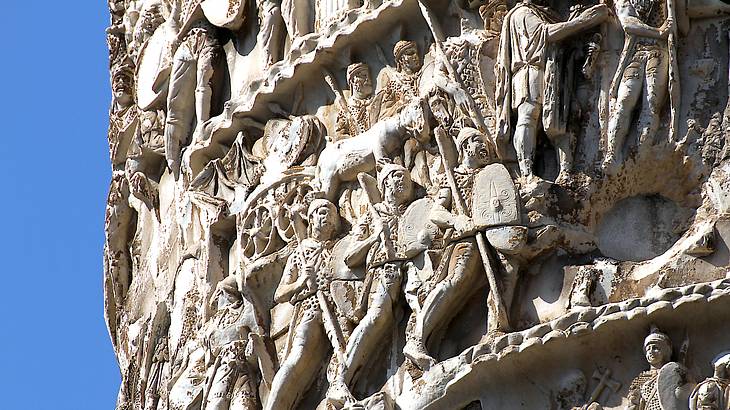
{"type": "Point", "coordinates": [416, 230]}
{"type": "Point", "coordinates": [153, 70]}
{"type": "Point", "coordinates": [495, 200]}
{"type": "Point", "coordinates": [225, 13]}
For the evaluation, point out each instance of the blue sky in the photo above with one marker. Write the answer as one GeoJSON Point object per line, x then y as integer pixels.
{"type": "Point", "coordinates": [54, 174]}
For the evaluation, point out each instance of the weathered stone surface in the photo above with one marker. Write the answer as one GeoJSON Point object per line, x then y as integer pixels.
{"type": "Point", "coordinates": [419, 204]}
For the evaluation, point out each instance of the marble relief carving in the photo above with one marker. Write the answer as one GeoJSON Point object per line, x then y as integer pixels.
{"type": "Point", "coordinates": [419, 204]}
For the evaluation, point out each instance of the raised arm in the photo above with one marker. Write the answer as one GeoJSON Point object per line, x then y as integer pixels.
{"type": "Point", "coordinates": [587, 19]}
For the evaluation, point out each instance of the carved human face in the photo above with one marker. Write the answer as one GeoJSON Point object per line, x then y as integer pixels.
{"type": "Point", "coordinates": [121, 89]}
{"type": "Point", "coordinates": [657, 353]}
{"type": "Point", "coordinates": [323, 222]}
{"type": "Point", "coordinates": [361, 85]}
{"type": "Point", "coordinates": [398, 184]}
{"type": "Point", "coordinates": [475, 152]}
{"type": "Point", "coordinates": [409, 60]}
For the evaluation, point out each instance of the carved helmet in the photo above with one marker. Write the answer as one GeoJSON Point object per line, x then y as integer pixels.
{"type": "Point", "coordinates": [402, 46]}
{"type": "Point", "coordinates": [387, 169]}
{"type": "Point", "coordinates": [355, 68]}
{"type": "Point", "coordinates": [656, 336]}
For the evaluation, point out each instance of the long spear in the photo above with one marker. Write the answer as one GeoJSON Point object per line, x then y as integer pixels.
{"type": "Point", "coordinates": [674, 94]}
{"type": "Point", "coordinates": [502, 317]}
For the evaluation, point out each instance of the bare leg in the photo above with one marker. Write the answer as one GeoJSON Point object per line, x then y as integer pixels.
{"type": "Point", "coordinates": [270, 32]}
{"type": "Point", "coordinates": [449, 296]}
{"type": "Point", "coordinates": [565, 145]}
{"type": "Point", "coordinates": [204, 89]}
{"type": "Point", "coordinates": [655, 93]}
{"type": "Point", "coordinates": [370, 333]}
{"type": "Point", "coordinates": [525, 137]}
{"type": "Point", "coordinates": [620, 117]}
{"type": "Point", "coordinates": [179, 109]}
{"type": "Point", "coordinates": [300, 367]}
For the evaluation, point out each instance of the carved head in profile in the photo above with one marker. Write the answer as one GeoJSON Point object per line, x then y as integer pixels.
{"type": "Point", "coordinates": [657, 348]}
{"type": "Point", "coordinates": [473, 149]}
{"type": "Point", "coordinates": [394, 181]}
{"type": "Point", "coordinates": [359, 81]}
{"type": "Point", "coordinates": [406, 57]}
{"type": "Point", "coordinates": [324, 221]}
{"type": "Point", "coordinates": [492, 14]}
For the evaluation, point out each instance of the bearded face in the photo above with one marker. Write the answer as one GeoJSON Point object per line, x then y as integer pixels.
{"type": "Point", "coordinates": [323, 222]}
{"type": "Point", "coordinates": [410, 61]}
{"type": "Point", "coordinates": [475, 150]}
{"type": "Point", "coordinates": [399, 184]}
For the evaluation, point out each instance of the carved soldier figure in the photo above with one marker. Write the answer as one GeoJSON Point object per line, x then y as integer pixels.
{"type": "Point", "coordinates": [401, 84]}
{"type": "Point", "coordinates": [376, 245]}
{"type": "Point", "coordinates": [524, 72]}
{"type": "Point", "coordinates": [358, 113]}
{"type": "Point", "coordinates": [463, 274]}
{"type": "Point", "coordinates": [123, 118]}
{"type": "Point", "coordinates": [305, 284]}
{"type": "Point", "coordinates": [191, 73]}
{"type": "Point", "coordinates": [234, 353]}
{"type": "Point", "coordinates": [713, 393]}
{"type": "Point", "coordinates": [658, 387]}
{"type": "Point", "coordinates": [643, 73]}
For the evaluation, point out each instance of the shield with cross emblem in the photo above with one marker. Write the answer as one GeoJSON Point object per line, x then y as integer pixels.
{"type": "Point", "coordinates": [495, 200]}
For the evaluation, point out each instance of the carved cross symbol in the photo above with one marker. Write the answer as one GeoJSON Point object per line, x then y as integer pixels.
{"type": "Point", "coordinates": [604, 380]}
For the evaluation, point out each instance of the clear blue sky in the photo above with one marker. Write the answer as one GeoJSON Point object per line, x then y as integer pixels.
{"type": "Point", "coordinates": [54, 174]}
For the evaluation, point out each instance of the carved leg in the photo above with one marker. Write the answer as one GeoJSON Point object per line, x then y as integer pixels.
{"type": "Point", "coordinates": [179, 109]}
{"type": "Point", "coordinates": [204, 89]}
{"type": "Point", "coordinates": [271, 32]}
{"type": "Point", "coordinates": [655, 93]}
{"type": "Point", "coordinates": [296, 374]}
{"type": "Point", "coordinates": [449, 296]}
{"type": "Point", "coordinates": [565, 146]}
{"type": "Point", "coordinates": [373, 329]}
{"type": "Point", "coordinates": [526, 136]}
{"type": "Point", "coordinates": [620, 116]}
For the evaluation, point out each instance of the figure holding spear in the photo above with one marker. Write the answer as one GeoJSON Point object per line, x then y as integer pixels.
{"type": "Point", "coordinates": [483, 197]}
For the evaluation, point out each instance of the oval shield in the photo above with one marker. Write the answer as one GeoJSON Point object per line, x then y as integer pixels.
{"type": "Point", "coordinates": [416, 231]}
{"type": "Point", "coordinates": [495, 200]}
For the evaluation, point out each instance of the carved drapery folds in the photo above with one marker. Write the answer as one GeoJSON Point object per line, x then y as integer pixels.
{"type": "Point", "coordinates": [419, 204]}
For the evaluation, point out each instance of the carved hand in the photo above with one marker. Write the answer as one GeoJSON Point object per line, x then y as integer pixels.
{"type": "Point", "coordinates": [666, 27]}
{"type": "Point", "coordinates": [463, 225]}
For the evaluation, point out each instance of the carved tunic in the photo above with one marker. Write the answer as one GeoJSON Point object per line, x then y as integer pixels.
{"type": "Point", "coordinates": [359, 118]}
{"type": "Point", "coordinates": [314, 258]}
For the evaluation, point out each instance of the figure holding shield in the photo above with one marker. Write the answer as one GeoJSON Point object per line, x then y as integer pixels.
{"type": "Point", "coordinates": [483, 196]}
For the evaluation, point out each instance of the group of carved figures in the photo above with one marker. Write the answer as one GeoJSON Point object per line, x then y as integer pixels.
{"type": "Point", "coordinates": [421, 169]}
